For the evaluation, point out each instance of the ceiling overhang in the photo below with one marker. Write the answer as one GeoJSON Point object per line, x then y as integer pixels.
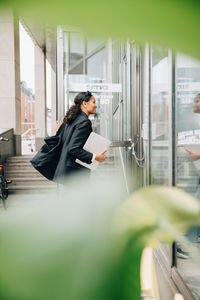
{"type": "Point", "coordinates": [42, 35]}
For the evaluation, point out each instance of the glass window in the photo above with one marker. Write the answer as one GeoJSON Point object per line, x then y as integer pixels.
{"type": "Point", "coordinates": [73, 56]}
{"type": "Point", "coordinates": [97, 65]}
{"type": "Point", "coordinates": [187, 171]}
{"type": "Point", "coordinates": [93, 43]}
{"type": "Point", "coordinates": [82, 73]}
{"type": "Point", "coordinates": [160, 86]}
{"type": "Point", "coordinates": [77, 49]}
{"type": "Point", "coordinates": [116, 64]}
{"type": "Point", "coordinates": [77, 69]}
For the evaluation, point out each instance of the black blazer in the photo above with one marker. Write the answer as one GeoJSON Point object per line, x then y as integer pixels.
{"type": "Point", "coordinates": [73, 139]}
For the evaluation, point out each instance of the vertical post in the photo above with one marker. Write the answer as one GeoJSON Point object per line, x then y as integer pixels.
{"type": "Point", "coordinates": [60, 75]}
{"type": "Point", "coordinates": [150, 114]}
{"type": "Point", "coordinates": [109, 68]}
{"type": "Point", "coordinates": [10, 103]}
{"type": "Point", "coordinates": [170, 120]}
{"type": "Point", "coordinates": [40, 96]}
{"type": "Point", "coordinates": [146, 108]}
{"type": "Point", "coordinates": [53, 101]}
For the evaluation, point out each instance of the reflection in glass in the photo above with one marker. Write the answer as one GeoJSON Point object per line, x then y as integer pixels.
{"type": "Point", "coordinates": [83, 73]}
{"type": "Point", "coordinates": [187, 172]}
{"type": "Point", "coordinates": [116, 53]}
{"type": "Point", "coordinates": [159, 112]}
{"type": "Point", "coordinates": [97, 64]}
{"type": "Point", "coordinates": [77, 49]}
{"type": "Point", "coordinates": [93, 43]}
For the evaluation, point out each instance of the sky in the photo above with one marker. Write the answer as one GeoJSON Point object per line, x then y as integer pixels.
{"type": "Point", "coordinates": [27, 72]}
{"type": "Point", "coordinates": [26, 59]}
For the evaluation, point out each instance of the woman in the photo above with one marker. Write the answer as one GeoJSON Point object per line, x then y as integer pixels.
{"type": "Point", "coordinates": [76, 129]}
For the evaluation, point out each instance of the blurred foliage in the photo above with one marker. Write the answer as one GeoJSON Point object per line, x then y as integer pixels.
{"type": "Point", "coordinates": [87, 246]}
{"type": "Point", "coordinates": [165, 22]}
{"type": "Point", "coordinates": [73, 251]}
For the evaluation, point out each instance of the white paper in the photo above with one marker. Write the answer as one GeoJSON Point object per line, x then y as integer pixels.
{"type": "Point", "coordinates": [94, 144]}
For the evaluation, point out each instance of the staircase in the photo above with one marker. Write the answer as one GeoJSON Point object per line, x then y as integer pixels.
{"type": "Point", "coordinates": [25, 179]}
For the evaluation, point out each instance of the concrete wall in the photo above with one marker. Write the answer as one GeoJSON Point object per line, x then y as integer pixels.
{"type": "Point", "coordinates": [53, 101]}
{"type": "Point", "coordinates": [7, 148]}
{"type": "Point", "coordinates": [10, 104]}
{"type": "Point", "coordinates": [40, 97]}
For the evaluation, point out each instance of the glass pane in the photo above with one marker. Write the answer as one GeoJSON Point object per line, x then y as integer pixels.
{"type": "Point", "coordinates": [126, 93]}
{"type": "Point", "coordinates": [116, 68]}
{"type": "Point", "coordinates": [88, 74]}
{"type": "Point", "coordinates": [77, 69]}
{"type": "Point", "coordinates": [187, 171]}
{"type": "Point", "coordinates": [77, 49]}
{"type": "Point", "coordinates": [65, 52]}
{"type": "Point", "coordinates": [97, 65]}
{"type": "Point", "coordinates": [93, 43]}
{"type": "Point", "coordinates": [159, 111]}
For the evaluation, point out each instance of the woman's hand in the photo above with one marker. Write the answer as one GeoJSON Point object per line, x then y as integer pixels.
{"type": "Point", "coordinates": [58, 124]}
{"type": "Point", "coordinates": [101, 157]}
{"type": "Point", "coordinates": [192, 156]}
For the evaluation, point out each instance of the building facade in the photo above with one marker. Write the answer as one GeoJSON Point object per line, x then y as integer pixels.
{"type": "Point", "coordinates": [146, 97]}
{"type": "Point", "coordinates": [27, 119]}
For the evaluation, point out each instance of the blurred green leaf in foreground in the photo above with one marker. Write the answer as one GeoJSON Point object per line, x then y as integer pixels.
{"type": "Point", "coordinates": [86, 245]}
{"type": "Point", "coordinates": [167, 23]}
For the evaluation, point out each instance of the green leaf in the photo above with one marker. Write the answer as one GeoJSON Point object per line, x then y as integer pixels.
{"type": "Point", "coordinates": [167, 23]}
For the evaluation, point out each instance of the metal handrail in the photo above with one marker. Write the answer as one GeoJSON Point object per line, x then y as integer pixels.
{"type": "Point", "coordinates": [124, 171]}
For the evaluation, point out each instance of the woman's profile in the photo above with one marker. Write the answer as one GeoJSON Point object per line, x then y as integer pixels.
{"type": "Point", "coordinates": [76, 128]}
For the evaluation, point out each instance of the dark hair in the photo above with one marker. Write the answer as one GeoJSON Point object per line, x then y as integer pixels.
{"type": "Point", "coordinates": [75, 109]}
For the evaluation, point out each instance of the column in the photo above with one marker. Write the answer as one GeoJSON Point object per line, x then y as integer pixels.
{"type": "Point", "coordinates": [10, 103]}
{"type": "Point", "coordinates": [40, 97]}
{"type": "Point", "coordinates": [53, 101]}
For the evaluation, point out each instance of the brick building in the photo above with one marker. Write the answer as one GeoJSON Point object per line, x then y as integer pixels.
{"type": "Point", "coordinates": [27, 110]}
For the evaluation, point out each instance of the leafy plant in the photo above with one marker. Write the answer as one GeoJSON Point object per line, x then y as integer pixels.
{"type": "Point", "coordinates": [88, 247]}
{"type": "Point", "coordinates": [167, 23]}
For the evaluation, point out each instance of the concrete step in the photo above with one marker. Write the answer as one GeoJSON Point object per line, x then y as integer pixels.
{"type": "Point", "coordinates": [19, 160]}
{"type": "Point", "coordinates": [24, 157]}
{"type": "Point", "coordinates": [18, 166]}
{"type": "Point", "coordinates": [31, 181]}
{"type": "Point", "coordinates": [22, 173]}
{"type": "Point", "coordinates": [25, 179]}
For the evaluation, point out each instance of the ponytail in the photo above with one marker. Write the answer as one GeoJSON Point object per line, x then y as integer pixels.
{"type": "Point", "coordinates": [75, 109]}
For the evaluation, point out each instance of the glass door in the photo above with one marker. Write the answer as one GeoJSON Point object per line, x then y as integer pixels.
{"type": "Point", "coordinates": [187, 91]}
{"type": "Point", "coordinates": [127, 110]}
{"type": "Point", "coordinates": [136, 107]}
{"type": "Point", "coordinates": [160, 87]}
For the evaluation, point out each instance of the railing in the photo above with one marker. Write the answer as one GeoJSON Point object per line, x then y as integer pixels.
{"type": "Point", "coordinates": [119, 145]}
{"type": "Point", "coordinates": [6, 148]}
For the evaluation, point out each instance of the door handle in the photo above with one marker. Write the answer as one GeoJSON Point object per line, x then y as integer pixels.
{"type": "Point", "coordinates": [117, 144]}
{"type": "Point", "coordinates": [130, 145]}
{"type": "Point", "coordinates": [139, 160]}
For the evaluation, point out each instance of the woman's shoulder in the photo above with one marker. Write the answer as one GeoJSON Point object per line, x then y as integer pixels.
{"type": "Point", "coordinates": [82, 118]}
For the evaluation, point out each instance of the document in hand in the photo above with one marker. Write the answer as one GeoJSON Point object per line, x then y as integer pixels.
{"type": "Point", "coordinates": [94, 144]}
